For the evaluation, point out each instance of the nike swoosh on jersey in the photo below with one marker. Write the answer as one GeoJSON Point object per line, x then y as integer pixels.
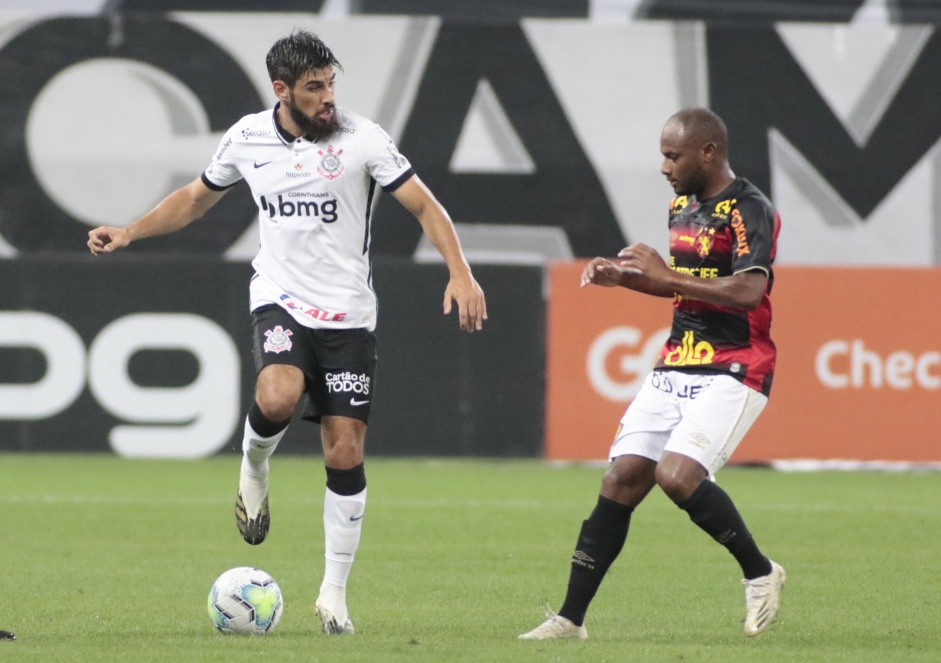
{"type": "Point", "coordinates": [355, 402]}
{"type": "Point", "coordinates": [259, 165]}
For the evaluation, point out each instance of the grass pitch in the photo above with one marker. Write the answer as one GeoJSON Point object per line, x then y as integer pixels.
{"type": "Point", "coordinates": [107, 559]}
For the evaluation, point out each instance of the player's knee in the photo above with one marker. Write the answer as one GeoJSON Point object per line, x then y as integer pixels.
{"type": "Point", "coordinates": [275, 402]}
{"type": "Point", "coordinates": [677, 483]}
{"type": "Point", "coordinates": [628, 479]}
{"type": "Point", "coordinates": [275, 409]}
{"type": "Point", "coordinates": [621, 481]}
{"type": "Point", "coordinates": [343, 455]}
{"type": "Point", "coordinates": [342, 451]}
{"type": "Point", "coordinates": [278, 391]}
{"type": "Point", "coordinates": [615, 479]}
{"type": "Point", "coordinates": [343, 441]}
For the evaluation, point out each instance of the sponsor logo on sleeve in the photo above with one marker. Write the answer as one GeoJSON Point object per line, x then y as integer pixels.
{"type": "Point", "coordinates": [252, 133]}
{"type": "Point", "coordinates": [738, 225]}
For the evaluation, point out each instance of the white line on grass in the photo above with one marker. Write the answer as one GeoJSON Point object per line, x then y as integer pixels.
{"type": "Point", "coordinates": [130, 500]}
{"type": "Point", "coordinates": [446, 503]}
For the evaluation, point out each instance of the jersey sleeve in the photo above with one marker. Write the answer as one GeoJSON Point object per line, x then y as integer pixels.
{"type": "Point", "coordinates": [222, 172]}
{"type": "Point", "coordinates": [383, 160]}
{"type": "Point", "coordinates": [754, 236]}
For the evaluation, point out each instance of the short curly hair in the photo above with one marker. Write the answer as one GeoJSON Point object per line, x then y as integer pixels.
{"type": "Point", "coordinates": [291, 57]}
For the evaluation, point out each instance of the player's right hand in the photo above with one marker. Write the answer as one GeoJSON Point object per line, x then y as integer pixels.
{"type": "Point", "coordinates": [601, 271]}
{"type": "Point", "coordinates": [106, 239]}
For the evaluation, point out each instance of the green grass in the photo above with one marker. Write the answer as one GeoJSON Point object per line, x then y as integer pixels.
{"type": "Point", "coordinates": [105, 559]}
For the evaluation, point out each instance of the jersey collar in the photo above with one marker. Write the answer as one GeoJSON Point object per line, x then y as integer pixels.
{"type": "Point", "coordinates": [285, 135]}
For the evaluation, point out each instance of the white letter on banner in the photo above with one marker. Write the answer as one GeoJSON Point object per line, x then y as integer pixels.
{"type": "Point", "coordinates": [205, 412]}
{"type": "Point", "coordinates": [825, 373]}
{"type": "Point", "coordinates": [64, 352]}
{"type": "Point", "coordinates": [638, 364]}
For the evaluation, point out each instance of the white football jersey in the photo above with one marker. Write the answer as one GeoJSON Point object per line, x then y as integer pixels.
{"type": "Point", "coordinates": [314, 202]}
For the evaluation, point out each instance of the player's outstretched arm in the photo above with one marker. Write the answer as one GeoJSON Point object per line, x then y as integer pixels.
{"type": "Point", "coordinates": [462, 287]}
{"type": "Point", "coordinates": [646, 271]}
{"type": "Point", "coordinates": [174, 212]}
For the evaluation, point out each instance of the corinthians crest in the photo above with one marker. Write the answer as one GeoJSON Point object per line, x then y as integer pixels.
{"type": "Point", "coordinates": [279, 340]}
{"type": "Point", "coordinates": [330, 165]}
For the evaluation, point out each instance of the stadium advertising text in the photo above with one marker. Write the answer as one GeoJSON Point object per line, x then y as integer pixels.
{"type": "Point", "coordinates": [187, 421]}
{"type": "Point", "coordinates": [846, 152]}
{"type": "Point", "coordinates": [861, 346]}
{"type": "Point", "coordinates": [153, 358]}
{"type": "Point", "coordinates": [633, 353]}
{"type": "Point", "coordinates": [537, 146]}
{"type": "Point", "coordinates": [842, 364]}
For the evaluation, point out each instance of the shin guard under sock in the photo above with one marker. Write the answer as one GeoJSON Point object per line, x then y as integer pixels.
{"type": "Point", "coordinates": [599, 543]}
{"type": "Point", "coordinates": [343, 511]}
{"type": "Point", "coordinates": [260, 439]}
{"type": "Point", "coordinates": [712, 510]}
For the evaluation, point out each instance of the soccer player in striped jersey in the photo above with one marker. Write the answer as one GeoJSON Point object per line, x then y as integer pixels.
{"type": "Point", "coordinates": [713, 376]}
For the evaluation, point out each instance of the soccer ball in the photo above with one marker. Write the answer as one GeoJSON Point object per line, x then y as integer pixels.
{"type": "Point", "coordinates": [245, 600]}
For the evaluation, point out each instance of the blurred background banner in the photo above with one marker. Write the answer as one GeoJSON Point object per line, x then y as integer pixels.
{"type": "Point", "coordinates": [152, 358]}
{"type": "Point", "coordinates": [539, 132]}
{"type": "Point", "coordinates": [536, 123]}
{"type": "Point", "coordinates": [858, 374]}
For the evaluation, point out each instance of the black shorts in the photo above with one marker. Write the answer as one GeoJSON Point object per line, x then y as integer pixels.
{"type": "Point", "coordinates": [339, 365]}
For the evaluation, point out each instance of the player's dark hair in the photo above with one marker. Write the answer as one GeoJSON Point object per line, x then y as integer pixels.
{"type": "Point", "coordinates": [291, 57]}
{"type": "Point", "coordinates": [704, 126]}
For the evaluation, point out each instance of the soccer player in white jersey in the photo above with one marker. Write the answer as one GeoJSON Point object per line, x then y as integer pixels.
{"type": "Point", "coordinates": [312, 168]}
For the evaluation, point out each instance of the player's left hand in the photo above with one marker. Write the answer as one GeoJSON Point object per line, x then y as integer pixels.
{"type": "Point", "coordinates": [471, 303]}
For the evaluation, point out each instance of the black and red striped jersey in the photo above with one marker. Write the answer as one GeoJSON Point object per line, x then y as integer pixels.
{"type": "Point", "coordinates": [733, 232]}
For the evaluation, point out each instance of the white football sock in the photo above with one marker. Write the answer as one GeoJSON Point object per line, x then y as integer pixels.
{"type": "Point", "coordinates": [343, 525]}
{"type": "Point", "coordinates": [257, 450]}
{"type": "Point", "coordinates": [253, 478]}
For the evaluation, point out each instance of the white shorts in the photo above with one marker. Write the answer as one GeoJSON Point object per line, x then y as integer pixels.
{"type": "Point", "coordinates": [700, 416]}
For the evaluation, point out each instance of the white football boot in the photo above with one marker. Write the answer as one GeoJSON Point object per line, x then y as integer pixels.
{"type": "Point", "coordinates": [762, 599]}
{"type": "Point", "coordinates": [555, 627]}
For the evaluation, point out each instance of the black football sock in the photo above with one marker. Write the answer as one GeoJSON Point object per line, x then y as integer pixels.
{"type": "Point", "coordinates": [262, 425]}
{"type": "Point", "coordinates": [599, 543]}
{"type": "Point", "coordinates": [712, 509]}
{"type": "Point", "coordinates": [347, 482]}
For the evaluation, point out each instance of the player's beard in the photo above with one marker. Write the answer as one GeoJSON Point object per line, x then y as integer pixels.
{"type": "Point", "coordinates": [313, 128]}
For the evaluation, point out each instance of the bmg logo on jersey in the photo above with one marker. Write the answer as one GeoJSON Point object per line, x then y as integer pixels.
{"type": "Point", "coordinates": [346, 382]}
{"type": "Point", "coordinates": [325, 210]}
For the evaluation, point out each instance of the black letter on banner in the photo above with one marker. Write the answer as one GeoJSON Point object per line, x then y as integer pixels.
{"type": "Point", "coordinates": [563, 191]}
{"type": "Point", "coordinates": [29, 219]}
{"type": "Point", "coordinates": [755, 84]}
